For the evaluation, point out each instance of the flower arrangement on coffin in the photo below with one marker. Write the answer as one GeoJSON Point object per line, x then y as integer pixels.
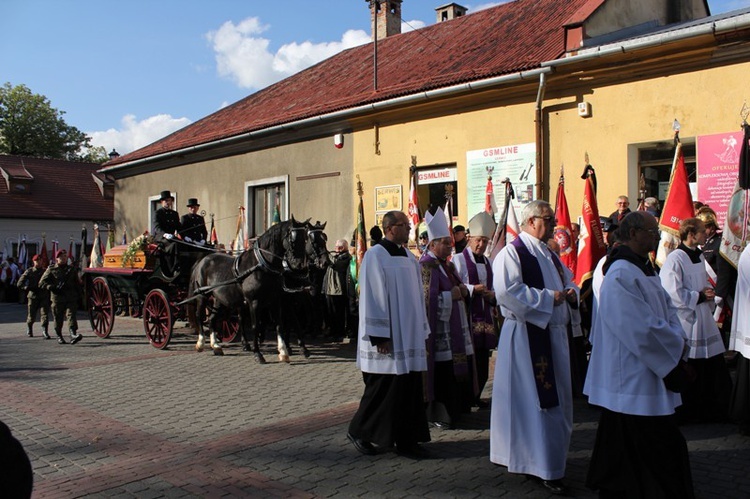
{"type": "Point", "coordinates": [140, 243]}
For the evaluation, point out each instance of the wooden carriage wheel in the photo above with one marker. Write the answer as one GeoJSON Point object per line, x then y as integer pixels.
{"type": "Point", "coordinates": [101, 307]}
{"type": "Point", "coordinates": [228, 329]}
{"type": "Point", "coordinates": [157, 319]}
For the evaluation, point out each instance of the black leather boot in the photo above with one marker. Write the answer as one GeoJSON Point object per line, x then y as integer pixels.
{"type": "Point", "coordinates": [44, 332]}
{"type": "Point", "coordinates": [29, 331]}
{"type": "Point", "coordinates": [75, 337]}
{"type": "Point", "coordinates": [60, 338]}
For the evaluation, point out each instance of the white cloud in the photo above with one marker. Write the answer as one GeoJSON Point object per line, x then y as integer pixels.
{"type": "Point", "coordinates": [242, 55]}
{"type": "Point", "coordinates": [135, 134]}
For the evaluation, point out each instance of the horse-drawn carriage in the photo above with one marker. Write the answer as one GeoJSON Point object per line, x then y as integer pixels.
{"type": "Point", "coordinates": [146, 280]}
{"type": "Point", "coordinates": [208, 287]}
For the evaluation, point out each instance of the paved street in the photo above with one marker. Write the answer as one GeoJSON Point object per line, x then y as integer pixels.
{"type": "Point", "coordinates": [118, 418]}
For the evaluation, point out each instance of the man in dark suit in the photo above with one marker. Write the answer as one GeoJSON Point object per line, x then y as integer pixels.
{"type": "Point", "coordinates": [167, 222]}
{"type": "Point", "coordinates": [193, 225]}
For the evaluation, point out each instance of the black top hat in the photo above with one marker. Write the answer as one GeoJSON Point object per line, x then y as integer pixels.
{"type": "Point", "coordinates": [193, 202]}
{"type": "Point", "coordinates": [166, 195]}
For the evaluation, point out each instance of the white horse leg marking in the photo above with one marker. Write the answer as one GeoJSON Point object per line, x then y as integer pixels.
{"type": "Point", "coordinates": [283, 352]}
{"type": "Point", "coordinates": [201, 342]}
{"type": "Point", "coordinates": [216, 344]}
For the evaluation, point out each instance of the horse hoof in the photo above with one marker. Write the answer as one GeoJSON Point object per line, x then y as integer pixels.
{"type": "Point", "coordinates": [246, 348]}
{"type": "Point", "coordinates": [198, 349]}
{"type": "Point", "coordinates": [284, 358]}
{"type": "Point", "coordinates": [218, 351]}
{"type": "Point", "coordinates": [260, 359]}
{"type": "Point", "coordinates": [306, 353]}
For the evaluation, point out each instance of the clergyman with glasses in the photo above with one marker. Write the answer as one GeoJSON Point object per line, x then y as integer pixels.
{"type": "Point", "coordinates": [532, 401]}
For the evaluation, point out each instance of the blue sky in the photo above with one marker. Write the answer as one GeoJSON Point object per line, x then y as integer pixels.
{"type": "Point", "coordinates": [128, 72]}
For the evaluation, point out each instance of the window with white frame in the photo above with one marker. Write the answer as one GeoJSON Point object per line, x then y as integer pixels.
{"type": "Point", "coordinates": [267, 203]}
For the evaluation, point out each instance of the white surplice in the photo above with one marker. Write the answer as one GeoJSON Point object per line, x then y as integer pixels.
{"type": "Point", "coordinates": [684, 280]}
{"type": "Point", "coordinates": [392, 306]}
{"type": "Point", "coordinates": [740, 338]}
{"type": "Point", "coordinates": [639, 340]}
{"type": "Point", "coordinates": [523, 436]}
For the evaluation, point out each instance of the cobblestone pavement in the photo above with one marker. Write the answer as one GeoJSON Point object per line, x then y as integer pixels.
{"type": "Point", "coordinates": [117, 418]}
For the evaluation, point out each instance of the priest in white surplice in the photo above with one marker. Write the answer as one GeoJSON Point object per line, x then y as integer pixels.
{"type": "Point", "coordinates": [532, 400]}
{"type": "Point", "coordinates": [636, 370]}
{"type": "Point", "coordinates": [740, 342]}
{"type": "Point", "coordinates": [684, 277]}
{"type": "Point", "coordinates": [391, 351]}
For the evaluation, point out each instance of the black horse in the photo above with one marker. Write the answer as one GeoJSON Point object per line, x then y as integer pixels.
{"type": "Point", "coordinates": [297, 310]}
{"type": "Point", "coordinates": [258, 278]}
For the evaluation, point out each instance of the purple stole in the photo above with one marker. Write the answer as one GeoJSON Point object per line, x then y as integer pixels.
{"type": "Point", "coordinates": [437, 283]}
{"type": "Point", "coordinates": [482, 325]}
{"type": "Point", "coordinates": [540, 344]}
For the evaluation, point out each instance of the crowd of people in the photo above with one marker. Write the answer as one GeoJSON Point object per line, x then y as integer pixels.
{"type": "Point", "coordinates": [428, 325]}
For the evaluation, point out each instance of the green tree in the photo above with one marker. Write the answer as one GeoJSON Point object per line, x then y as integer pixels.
{"type": "Point", "coordinates": [30, 126]}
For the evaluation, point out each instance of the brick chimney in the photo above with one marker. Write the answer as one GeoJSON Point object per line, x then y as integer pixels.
{"type": "Point", "coordinates": [450, 11]}
{"type": "Point", "coordinates": [387, 14]}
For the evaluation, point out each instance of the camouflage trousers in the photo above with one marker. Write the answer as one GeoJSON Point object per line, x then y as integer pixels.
{"type": "Point", "coordinates": [34, 305]}
{"type": "Point", "coordinates": [64, 310]}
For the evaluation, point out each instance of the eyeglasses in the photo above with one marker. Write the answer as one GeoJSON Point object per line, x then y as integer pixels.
{"type": "Point", "coordinates": [547, 219]}
{"type": "Point", "coordinates": [623, 202]}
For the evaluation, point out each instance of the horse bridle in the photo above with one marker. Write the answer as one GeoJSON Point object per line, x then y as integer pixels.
{"type": "Point", "coordinates": [311, 235]}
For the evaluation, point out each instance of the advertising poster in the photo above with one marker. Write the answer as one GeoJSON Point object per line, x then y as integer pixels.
{"type": "Point", "coordinates": [717, 158]}
{"type": "Point", "coordinates": [515, 162]}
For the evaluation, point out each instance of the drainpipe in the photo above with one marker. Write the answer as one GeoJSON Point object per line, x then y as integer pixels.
{"type": "Point", "coordinates": [539, 136]}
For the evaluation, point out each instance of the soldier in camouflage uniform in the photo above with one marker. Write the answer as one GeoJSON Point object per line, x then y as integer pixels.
{"type": "Point", "coordinates": [65, 290]}
{"type": "Point", "coordinates": [38, 298]}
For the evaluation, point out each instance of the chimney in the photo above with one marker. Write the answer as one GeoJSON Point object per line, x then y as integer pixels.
{"type": "Point", "coordinates": [450, 11]}
{"type": "Point", "coordinates": [387, 15]}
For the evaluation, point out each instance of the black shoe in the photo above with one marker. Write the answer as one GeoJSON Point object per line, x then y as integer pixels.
{"type": "Point", "coordinates": [441, 425]}
{"type": "Point", "coordinates": [61, 340]}
{"type": "Point", "coordinates": [362, 446]}
{"type": "Point", "coordinates": [555, 487]}
{"type": "Point", "coordinates": [413, 451]}
{"type": "Point", "coordinates": [29, 334]}
{"type": "Point", "coordinates": [75, 338]}
{"type": "Point", "coordinates": [482, 404]}
{"type": "Point", "coordinates": [46, 335]}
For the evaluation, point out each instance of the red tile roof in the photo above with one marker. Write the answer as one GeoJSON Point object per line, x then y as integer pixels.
{"type": "Point", "coordinates": [60, 190]}
{"type": "Point", "coordinates": [512, 37]}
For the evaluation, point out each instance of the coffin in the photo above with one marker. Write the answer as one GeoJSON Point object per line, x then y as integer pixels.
{"type": "Point", "coordinates": [113, 259]}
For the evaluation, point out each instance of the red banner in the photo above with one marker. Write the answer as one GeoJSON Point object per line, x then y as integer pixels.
{"type": "Point", "coordinates": [563, 231]}
{"type": "Point", "coordinates": [591, 247]}
{"type": "Point", "coordinates": [677, 207]}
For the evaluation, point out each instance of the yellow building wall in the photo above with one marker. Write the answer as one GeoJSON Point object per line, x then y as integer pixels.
{"type": "Point", "coordinates": [625, 117]}
{"type": "Point", "coordinates": [636, 114]}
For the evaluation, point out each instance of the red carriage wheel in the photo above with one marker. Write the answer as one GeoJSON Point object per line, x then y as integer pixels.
{"type": "Point", "coordinates": [228, 329]}
{"type": "Point", "coordinates": [157, 319]}
{"type": "Point", "coordinates": [101, 307]}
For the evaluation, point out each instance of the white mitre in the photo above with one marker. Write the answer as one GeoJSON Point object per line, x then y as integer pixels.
{"type": "Point", "coordinates": [437, 225]}
{"type": "Point", "coordinates": [482, 225]}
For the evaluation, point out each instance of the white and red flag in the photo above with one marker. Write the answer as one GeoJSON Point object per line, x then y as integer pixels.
{"type": "Point", "coordinates": [507, 229]}
{"type": "Point", "coordinates": [591, 246]}
{"type": "Point", "coordinates": [563, 232]}
{"type": "Point", "coordinates": [414, 215]}
{"type": "Point", "coordinates": [677, 207]}
{"type": "Point", "coordinates": [737, 224]}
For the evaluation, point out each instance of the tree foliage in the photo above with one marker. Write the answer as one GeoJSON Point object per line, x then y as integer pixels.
{"type": "Point", "coordinates": [30, 126]}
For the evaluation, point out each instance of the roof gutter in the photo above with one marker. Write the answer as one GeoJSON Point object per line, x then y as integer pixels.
{"type": "Point", "coordinates": [714, 28]}
{"type": "Point", "coordinates": [343, 114]}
